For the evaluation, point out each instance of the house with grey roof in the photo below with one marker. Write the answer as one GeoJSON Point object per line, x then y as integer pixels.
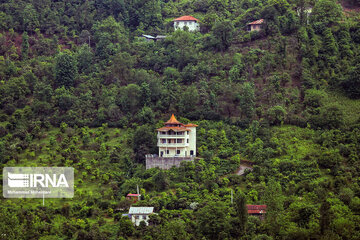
{"type": "Point", "coordinates": [138, 214]}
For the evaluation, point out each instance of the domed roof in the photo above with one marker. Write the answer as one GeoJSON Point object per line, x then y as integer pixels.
{"type": "Point", "coordinates": [173, 120]}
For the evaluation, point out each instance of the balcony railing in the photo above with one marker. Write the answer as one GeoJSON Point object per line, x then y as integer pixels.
{"type": "Point", "coordinates": [173, 144]}
{"type": "Point", "coordinates": [172, 136]}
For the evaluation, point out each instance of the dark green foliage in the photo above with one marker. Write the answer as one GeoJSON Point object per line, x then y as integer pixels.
{"type": "Point", "coordinates": [222, 35]}
{"type": "Point", "coordinates": [212, 221]}
{"type": "Point", "coordinates": [84, 58]}
{"type": "Point", "coordinates": [276, 115]}
{"type": "Point", "coordinates": [324, 14]}
{"type": "Point", "coordinates": [329, 116]}
{"type": "Point", "coordinates": [63, 98]}
{"type": "Point", "coordinates": [315, 98]}
{"type": "Point", "coordinates": [160, 180]}
{"type": "Point", "coordinates": [65, 70]}
{"type": "Point", "coordinates": [247, 100]}
{"type": "Point", "coordinates": [352, 82]}
{"type": "Point", "coordinates": [175, 229]}
{"type": "Point", "coordinates": [144, 142]}
{"type": "Point", "coordinates": [25, 46]}
{"type": "Point", "coordinates": [241, 211]}
{"type": "Point", "coordinates": [126, 227]}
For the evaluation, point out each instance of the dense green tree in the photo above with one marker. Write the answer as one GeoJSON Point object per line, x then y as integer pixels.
{"type": "Point", "coordinates": [324, 14]}
{"type": "Point", "coordinates": [30, 18]}
{"type": "Point", "coordinates": [174, 230]}
{"type": "Point", "coordinates": [212, 221]}
{"type": "Point", "coordinates": [276, 115]}
{"type": "Point", "coordinates": [84, 58]}
{"type": "Point", "coordinates": [247, 100]}
{"type": "Point", "coordinates": [144, 142]}
{"type": "Point", "coordinates": [241, 210]}
{"type": "Point", "coordinates": [63, 98]}
{"type": "Point", "coordinates": [274, 201]}
{"type": "Point", "coordinates": [315, 98]}
{"type": "Point", "coordinates": [329, 116]}
{"type": "Point", "coordinates": [126, 227]}
{"type": "Point", "coordinates": [146, 115]}
{"type": "Point", "coordinates": [188, 102]}
{"type": "Point", "coordinates": [330, 47]}
{"type": "Point", "coordinates": [65, 70]}
{"type": "Point", "coordinates": [10, 224]}
{"type": "Point", "coordinates": [222, 35]}
{"type": "Point", "coordinates": [161, 181]}
{"type": "Point", "coordinates": [352, 82]}
{"type": "Point", "coordinates": [129, 98]}
{"type": "Point", "coordinates": [25, 46]}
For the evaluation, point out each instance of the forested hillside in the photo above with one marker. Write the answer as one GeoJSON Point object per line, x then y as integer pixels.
{"type": "Point", "coordinates": [80, 87]}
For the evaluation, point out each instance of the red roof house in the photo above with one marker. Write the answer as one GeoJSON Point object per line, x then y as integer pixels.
{"type": "Point", "coordinates": [191, 23]}
{"type": "Point", "coordinates": [133, 197]}
{"type": "Point", "coordinates": [186, 18]}
{"type": "Point", "coordinates": [255, 25]}
{"type": "Point", "coordinates": [257, 210]}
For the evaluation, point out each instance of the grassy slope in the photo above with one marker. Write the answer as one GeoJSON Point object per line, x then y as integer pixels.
{"type": "Point", "coordinates": [83, 189]}
{"type": "Point", "coordinates": [350, 107]}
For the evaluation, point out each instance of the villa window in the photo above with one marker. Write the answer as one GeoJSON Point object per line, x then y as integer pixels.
{"type": "Point", "coordinates": [187, 140]}
{"type": "Point", "coordinates": [179, 140]}
{"type": "Point", "coordinates": [177, 151]}
{"type": "Point", "coordinates": [167, 151]}
{"type": "Point", "coordinates": [163, 140]}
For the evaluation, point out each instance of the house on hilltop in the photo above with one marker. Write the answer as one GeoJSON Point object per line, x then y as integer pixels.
{"type": "Point", "coordinates": [188, 21]}
{"type": "Point", "coordinates": [150, 38]}
{"type": "Point", "coordinates": [255, 25]}
{"type": "Point", "coordinates": [133, 197]}
{"type": "Point", "coordinates": [139, 214]}
{"type": "Point", "coordinates": [257, 210]}
{"type": "Point", "coordinates": [176, 142]}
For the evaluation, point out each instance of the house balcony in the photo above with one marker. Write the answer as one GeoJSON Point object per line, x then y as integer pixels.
{"type": "Point", "coordinates": [172, 136]}
{"type": "Point", "coordinates": [179, 145]}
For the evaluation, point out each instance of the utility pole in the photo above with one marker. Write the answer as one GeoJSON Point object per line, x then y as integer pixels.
{"type": "Point", "coordinates": [137, 189]}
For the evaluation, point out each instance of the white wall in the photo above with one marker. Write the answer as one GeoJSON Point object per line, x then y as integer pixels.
{"type": "Point", "coordinates": [172, 151]}
{"type": "Point", "coordinates": [192, 25]}
{"type": "Point", "coordinates": [144, 218]}
{"type": "Point", "coordinates": [192, 140]}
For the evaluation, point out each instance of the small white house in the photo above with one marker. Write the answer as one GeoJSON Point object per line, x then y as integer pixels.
{"type": "Point", "coordinates": [256, 25]}
{"type": "Point", "coordinates": [138, 214]}
{"type": "Point", "coordinates": [188, 21]}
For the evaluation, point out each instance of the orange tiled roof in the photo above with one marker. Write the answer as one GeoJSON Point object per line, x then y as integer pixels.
{"type": "Point", "coordinates": [190, 125]}
{"type": "Point", "coordinates": [176, 129]}
{"type": "Point", "coordinates": [260, 21]}
{"type": "Point", "coordinates": [173, 120]}
{"type": "Point", "coordinates": [186, 18]}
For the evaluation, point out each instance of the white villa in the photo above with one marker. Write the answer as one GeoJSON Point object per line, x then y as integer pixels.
{"type": "Point", "coordinates": [176, 139]}
{"type": "Point", "coordinates": [138, 214]}
{"type": "Point", "coordinates": [189, 21]}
